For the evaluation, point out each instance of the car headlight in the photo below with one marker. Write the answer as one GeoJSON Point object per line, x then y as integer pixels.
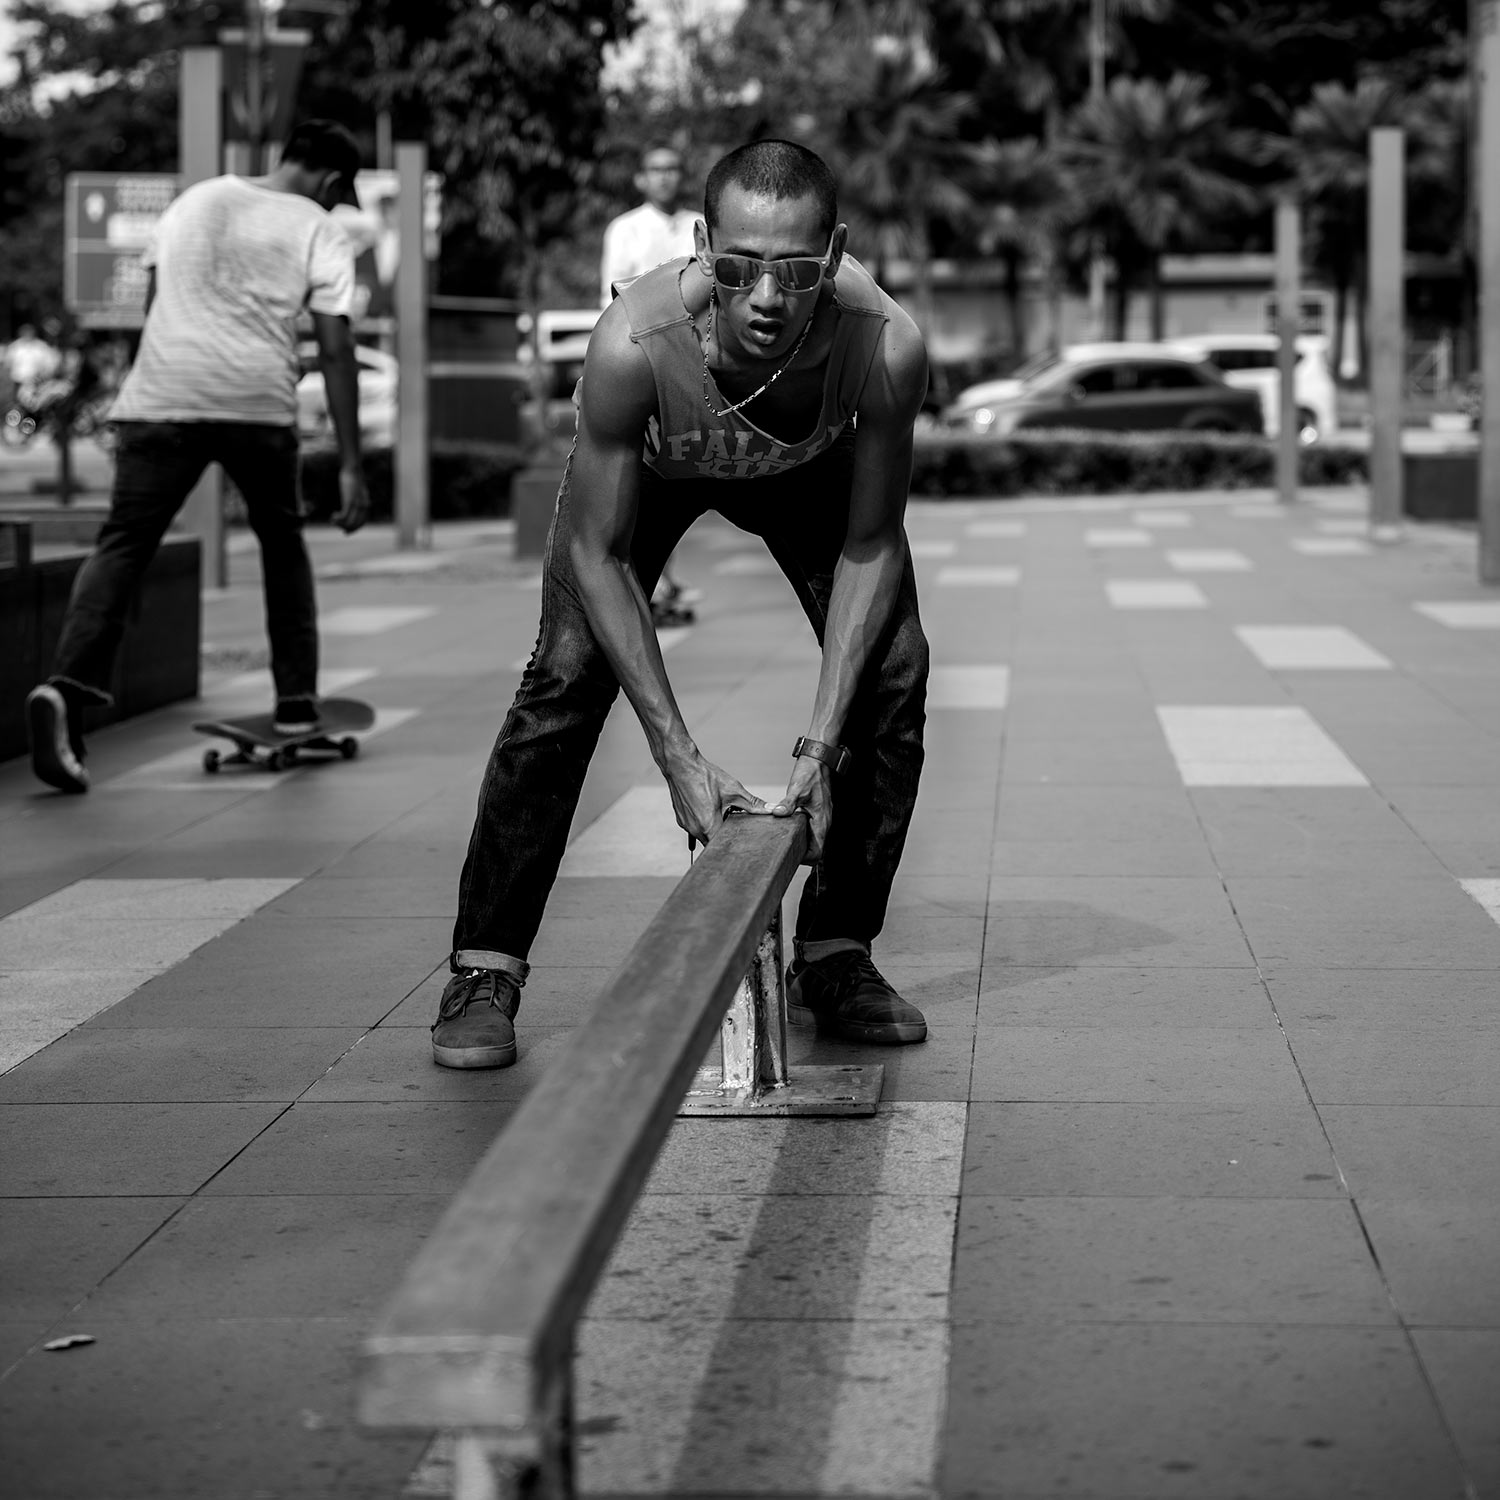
{"type": "Point", "coordinates": [992, 423]}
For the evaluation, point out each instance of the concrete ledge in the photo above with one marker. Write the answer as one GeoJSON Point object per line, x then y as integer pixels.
{"type": "Point", "coordinates": [1441, 486]}
{"type": "Point", "coordinates": [158, 661]}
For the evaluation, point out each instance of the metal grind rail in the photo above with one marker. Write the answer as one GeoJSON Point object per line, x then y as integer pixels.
{"type": "Point", "coordinates": [478, 1340]}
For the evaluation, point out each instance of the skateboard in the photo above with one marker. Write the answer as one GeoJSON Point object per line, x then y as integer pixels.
{"type": "Point", "coordinates": [257, 744]}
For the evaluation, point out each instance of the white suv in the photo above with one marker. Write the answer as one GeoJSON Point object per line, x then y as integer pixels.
{"type": "Point", "coordinates": [1248, 360]}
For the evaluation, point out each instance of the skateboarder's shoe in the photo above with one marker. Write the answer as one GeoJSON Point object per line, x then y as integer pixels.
{"type": "Point", "coordinates": [475, 1025]}
{"type": "Point", "coordinates": [54, 725]}
{"type": "Point", "coordinates": [848, 998]}
{"type": "Point", "coordinates": [295, 715]}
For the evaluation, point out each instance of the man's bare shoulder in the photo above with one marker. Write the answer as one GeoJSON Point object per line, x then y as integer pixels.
{"type": "Point", "coordinates": [618, 392]}
{"type": "Point", "coordinates": [898, 377]}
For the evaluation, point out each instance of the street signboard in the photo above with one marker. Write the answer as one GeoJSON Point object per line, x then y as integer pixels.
{"type": "Point", "coordinates": [283, 53]}
{"type": "Point", "coordinates": [108, 218]}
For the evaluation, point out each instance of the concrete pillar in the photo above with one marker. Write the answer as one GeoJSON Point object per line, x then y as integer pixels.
{"type": "Point", "coordinates": [1288, 321]}
{"type": "Point", "coordinates": [200, 91]}
{"type": "Point", "coordinates": [412, 509]}
{"type": "Point", "coordinates": [1387, 258]}
{"type": "Point", "coordinates": [1488, 148]}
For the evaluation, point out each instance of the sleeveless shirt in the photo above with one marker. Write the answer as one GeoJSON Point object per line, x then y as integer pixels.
{"type": "Point", "coordinates": [685, 440]}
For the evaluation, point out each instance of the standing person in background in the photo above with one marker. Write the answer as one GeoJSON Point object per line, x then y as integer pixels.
{"type": "Point", "coordinates": [234, 263]}
{"type": "Point", "coordinates": [634, 243]}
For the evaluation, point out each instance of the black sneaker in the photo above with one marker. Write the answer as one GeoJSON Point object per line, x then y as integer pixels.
{"type": "Point", "coordinates": [295, 715]}
{"type": "Point", "coordinates": [849, 998]}
{"type": "Point", "coordinates": [54, 725]}
{"type": "Point", "coordinates": [474, 1028]}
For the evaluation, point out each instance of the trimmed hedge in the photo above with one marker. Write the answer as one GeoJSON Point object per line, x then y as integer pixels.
{"type": "Point", "coordinates": [1059, 462]}
{"type": "Point", "coordinates": [464, 479]}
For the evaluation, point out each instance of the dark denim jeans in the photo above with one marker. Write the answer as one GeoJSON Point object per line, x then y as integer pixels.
{"type": "Point", "coordinates": [156, 466]}
{"type": "Point", "coordinates": [537, 767]}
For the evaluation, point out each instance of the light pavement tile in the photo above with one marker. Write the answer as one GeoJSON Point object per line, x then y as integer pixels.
{"type": "Point", "coordinates": [1342, 526]}
{"type": "Point", "coordinates": [1165, 1260]}
{"type": "Point", "coordinates": [1330, 546]}
{"type": "Point", "coordinates": [1417, 1153]}
{"type": "Point", "coordinates": [187, 1410]}
{"type": "Point", "coordinates": [57, 1250]}
{"type": "Point", "coordinates": [638, 835]}
{"type": "Point", "coordinates": [1458, 1000]}
{"type": "Point", "coordinates": [1208, 560]}
{"type": "Point", "coordinates": [77, 952]}
{"type": "Point", "coordinates": [945, 510]}
{"type": "Point", "coordinates": [1310, 648]}
{"type": "Point", "coordinates": [1121, 998]}
{"type": "Point", "coordinates": [932, 547]}
{"type": "Point", "coordinates": [253, 692]}
{"type": "Point", "coordinates": [1105, 537]}
{"type": "Point", "coordinates": [1486, 893]}
{"type": "Point", "coordinates": [1373, 923]}
{"type": "Point", "coordinates": [748, 565]}
{"type": "Point", "coordinates": [1253, 1151]}
{"type": "Point", "coordinates": [1253, 746]}
{"type": "Point", "coordinates": [1354, 1063]}
{"type": "Point", "coordinates": [978, 576]}
{"type": "Point", "coordinates": [1439, 1259]}
{"type": "Point", "coordinates": [383, 567]}
{"type": "Point", "coordinates": [1463, 614]}
{"type": "Point", "coordinates": [668, 637]}
{"type": "Point", "coordinates": [1464, 1368]}
{"type": "Point", "coordinates": [372, 619]}
{"type": "Point", "coordinates": [997, 530]}
{"type": "Point", "coordinates": [1181, 1412]}
{"type": "Point", "coordinates": [1138, 1065]}
{"type": "Point", "coordinates": [827, 1257]}
{"type": "Point", "coordinates": [959, 687]}
{"type": "Point", "coordinates": [1341, 500]}
{"type": "Point", "coordinates": [1163, 520]}
{"type": "Point", "coordinates": [807, 1409]}
{"type": "Point", "coordinates": [1154, 593]}
{"type": "Point", "coordinates": [1259, 510]}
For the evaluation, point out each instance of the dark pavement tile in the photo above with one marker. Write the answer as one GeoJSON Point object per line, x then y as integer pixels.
{"type": "Point", "coordinates": [1417, 1153]}
{"type": "Point", "coordinates": [1353, 1063]}
{"type": "Point", "coordinates": [268, 1257]}
{"type": "Point", "coordinates": [329, 894]}
{"type": "Point", "coordinates": [236, 1410]}
{"type": "Point", "coordinates": [1464, 1367]}
{"type": "Point", "coordinates": [121, 1150]}
{"type": "Point", "coordinates": [1433, 999]}
{"type": "Point", "coordinates": [139, 1065]}
{"type": "Point", "coordinates": [935, 1069]}
{"type": "Point", "coordinates": [1440, 1259]}
{"type": "Point", "coordinates": [330, 1149]}
{"type": "Point", "coordinates": [16, 1339]}
{"type": "Point", "coordinates": [54, 1251]}
{"type": "Point", "coordinates": [554, 995]}
{"type": "Point", "coordinates": [1149, 1150]}
{"type": "Point", "coordinates": [1191, 1413]}
{"type": "Point", "coordinates": [1164, 1260]}
{"type": "Point", "coordinates": [1124, 997]}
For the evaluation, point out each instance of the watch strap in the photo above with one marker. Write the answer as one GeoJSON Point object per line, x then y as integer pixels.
{"type": "Point", "coordinates": [835, 757]}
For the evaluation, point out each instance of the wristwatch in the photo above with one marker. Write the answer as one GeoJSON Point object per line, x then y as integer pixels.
{"type": "Point", "coordinates": [835, 757]}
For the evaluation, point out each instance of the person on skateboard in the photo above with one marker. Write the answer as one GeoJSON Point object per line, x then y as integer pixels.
{"type": "Point", "coordinates": [767, 378]}
{"type": "Point", "coordinates": [234, 262]}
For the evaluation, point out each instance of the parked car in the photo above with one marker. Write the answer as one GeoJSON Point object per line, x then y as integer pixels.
{"type": "Point", "coordinates": [1110, 386]}
{"type": "Point", "coordinates": [378, 384]}
{"type": "Point", "coordinates": [1248, 360]}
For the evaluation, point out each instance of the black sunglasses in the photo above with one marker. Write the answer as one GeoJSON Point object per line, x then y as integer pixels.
{"type": "Point", "coordinates": [794, 273]}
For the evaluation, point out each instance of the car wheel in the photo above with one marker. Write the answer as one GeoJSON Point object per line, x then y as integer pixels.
{"type": "Point", "coordinates": [1208, 423]}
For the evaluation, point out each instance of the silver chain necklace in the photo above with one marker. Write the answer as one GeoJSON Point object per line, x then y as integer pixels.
{"type": "Point", "coordinates": [713, 308]}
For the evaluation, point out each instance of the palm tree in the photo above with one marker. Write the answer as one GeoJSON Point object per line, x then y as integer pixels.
{"type": "Point", "coordinates": [1152, 164]}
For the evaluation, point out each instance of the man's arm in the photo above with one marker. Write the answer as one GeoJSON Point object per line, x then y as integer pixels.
{"type": "Point", "coordinates": [150, 290]}
{"type": "Point", "coordinates": [618, 397]}
{"type": "Point", "coordinates": [868, 574]}
{"type": "Point", "coordinates": [341, 381]}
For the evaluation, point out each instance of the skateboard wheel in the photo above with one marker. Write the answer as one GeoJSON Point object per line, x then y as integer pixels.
{"type": "Point", "coordinates": [275, 761]}
{"type": "Point", "coordinates": [211, 762]}
{"type": "Point", "coordinates": [348, 747]}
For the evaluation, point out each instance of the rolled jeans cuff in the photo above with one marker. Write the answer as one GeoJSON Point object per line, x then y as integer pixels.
{"type": "Point", "coordinates": [92, 694]}
{"type": "Point", "coordinates": [488, 958]}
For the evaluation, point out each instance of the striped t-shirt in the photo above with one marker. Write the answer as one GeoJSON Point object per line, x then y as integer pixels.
{"type": "Point", "coordinates": [236, 263]}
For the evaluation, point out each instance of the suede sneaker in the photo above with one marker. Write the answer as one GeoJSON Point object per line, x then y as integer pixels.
{"type": "Point", "coordinates": [474, 1027]}
{"type": "Point", "coordinates": [54, 727]}
{"type": "Point", "coordinates": [848, 998]}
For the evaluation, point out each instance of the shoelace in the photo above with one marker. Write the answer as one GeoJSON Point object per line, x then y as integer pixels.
{"type": "Point", "coordinates": [481, 985]}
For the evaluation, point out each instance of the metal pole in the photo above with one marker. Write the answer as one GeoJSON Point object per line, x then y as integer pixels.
{"type": "Point", "coordinates": [1288, 321]}
{"type": "Point", "coordinates": [200, 91]}
{"type": "Point", "coordinates": [1387, 257]}
{"type": "Point", "coordinates": [411, 349]}
{"type": "Point", "coordinates": [1096, 243]}
{"type": "Point", "coordinates": [255, 80]}
{"type": "Point", "coordinates": [1488, 148]}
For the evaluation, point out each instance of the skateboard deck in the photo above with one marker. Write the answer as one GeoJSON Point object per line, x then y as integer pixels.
{"type": "Point", "coordinates": [256, 743]}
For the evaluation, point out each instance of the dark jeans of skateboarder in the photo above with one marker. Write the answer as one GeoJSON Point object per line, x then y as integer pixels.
{"type": "Point", "coordinates": [771, 380]}
{"type": "Point", "coordinates": [234, 262]}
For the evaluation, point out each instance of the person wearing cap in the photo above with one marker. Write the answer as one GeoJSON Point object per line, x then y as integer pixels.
{"type": "Point", "coordinates": [233, 262]}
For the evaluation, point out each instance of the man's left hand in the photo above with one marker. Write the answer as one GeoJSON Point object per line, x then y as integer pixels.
{"type": "Point", "coordinates": [354, 499]}
{"type": "Point", "coordinates": [811, 791]}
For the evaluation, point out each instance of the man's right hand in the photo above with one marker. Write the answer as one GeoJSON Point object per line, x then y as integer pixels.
{"type": "Point", "coordinates": [354, 499]}
{"type": "Point", "coordinates": [702, 793]}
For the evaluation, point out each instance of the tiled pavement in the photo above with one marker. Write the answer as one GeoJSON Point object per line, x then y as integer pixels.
{"type": "Point", "coordinates": [1194, 1191]}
